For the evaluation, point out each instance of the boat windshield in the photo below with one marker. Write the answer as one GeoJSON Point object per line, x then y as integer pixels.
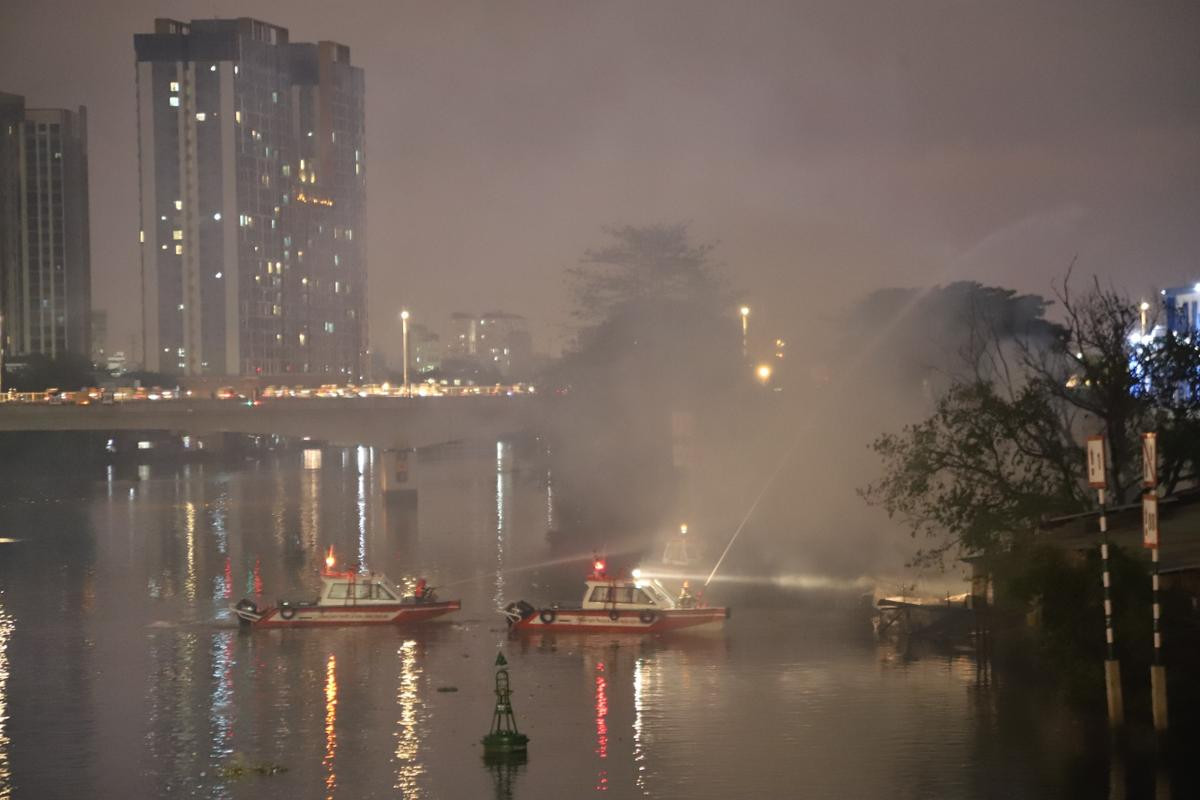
{"type": "Point", "coordinates": [360, 590]}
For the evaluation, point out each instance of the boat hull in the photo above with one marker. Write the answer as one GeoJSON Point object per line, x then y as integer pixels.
{"type": "Point", "coordinates": [630, 621]}
{"type": "Point", "coordinates": [323, 616]}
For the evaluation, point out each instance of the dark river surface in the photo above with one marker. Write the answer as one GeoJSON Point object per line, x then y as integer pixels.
{"type": "Point", "coordinates": [124, 675]}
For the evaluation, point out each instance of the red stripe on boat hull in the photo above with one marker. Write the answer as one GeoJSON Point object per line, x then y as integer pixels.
{"type": "Point", "coordinates": [598, 621]}
{"type": "Point", "coordinates": [318, 616]}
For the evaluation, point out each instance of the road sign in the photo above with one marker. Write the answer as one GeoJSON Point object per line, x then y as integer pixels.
{"type": "Point", "coordinates": [1149, 460]}
{"type": "Point", "coordinates": [1150, 520]}
{"type": "Point", "coordinates": [1095, 462]}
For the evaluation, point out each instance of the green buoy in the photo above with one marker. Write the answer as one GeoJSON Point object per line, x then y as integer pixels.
{"type": "Point", "coordinates": [504, 741]}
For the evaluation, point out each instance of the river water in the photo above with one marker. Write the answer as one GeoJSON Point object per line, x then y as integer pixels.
{"type": "Point", "coordinates": [123, 674]}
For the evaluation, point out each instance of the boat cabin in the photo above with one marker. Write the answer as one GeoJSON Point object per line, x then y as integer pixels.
{"type": "Point", "coordinates": [340, 589]}
{"type": "Point", "coordinates": [606, 593]}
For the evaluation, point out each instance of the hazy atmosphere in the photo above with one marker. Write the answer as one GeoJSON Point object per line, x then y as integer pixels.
{"type": "Point", "coordinates": [725, 399]}
{"type": "Point", "coordinates": [829, 147]}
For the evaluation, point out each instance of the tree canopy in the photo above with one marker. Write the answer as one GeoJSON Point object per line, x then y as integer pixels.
{"type": "Point", "coordinates": [1004, 446]}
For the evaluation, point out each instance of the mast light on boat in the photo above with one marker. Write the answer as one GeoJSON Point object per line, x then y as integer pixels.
{"type": "Point", "coordinates": [598, 565]}
{"type": "Point", "coordinates": [329, 560]}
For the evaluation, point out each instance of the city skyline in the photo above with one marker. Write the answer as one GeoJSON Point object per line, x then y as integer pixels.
{"type": "Point", "coordinates": [827, 147]}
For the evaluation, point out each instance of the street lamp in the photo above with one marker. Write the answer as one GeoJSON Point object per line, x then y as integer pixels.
{"type": "Point", "coordinates": [763, 373]}
{"type": "Point", "coordinates": [745, 312]}
{"type": "Point", "coordinates": [404, 336]}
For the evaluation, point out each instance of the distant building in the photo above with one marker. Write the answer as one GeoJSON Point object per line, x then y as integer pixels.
{"type": "Point", "coordinates": [425, 349]}
{"type": "Point", "coordinates": [45, 260]}
{"type": "Point", "coordinates": [1183, 307]}
{"type": "Point", "coordinates": [253, 174]}
{"type": "Point", "coordinates": [116, 363]}
{"type": "Point", "coordinates": [497, 338]}
{"type": "Point", "coordinates": [99, 336]}
{"type": "Point", "coordinates": [464, 334]}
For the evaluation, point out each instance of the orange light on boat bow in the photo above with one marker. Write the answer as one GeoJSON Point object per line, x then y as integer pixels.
{"type": "Point", "coordinates": [599, 566]}
{"type": "Point", "coordinates": [329, 560]}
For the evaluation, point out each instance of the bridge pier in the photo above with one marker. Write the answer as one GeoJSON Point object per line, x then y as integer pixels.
{"type": "Point", "coordinates": [397, 478]}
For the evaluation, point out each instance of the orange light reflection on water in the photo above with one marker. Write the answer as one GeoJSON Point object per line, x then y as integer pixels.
{"type": "Point", "coordinates": [330, 724]}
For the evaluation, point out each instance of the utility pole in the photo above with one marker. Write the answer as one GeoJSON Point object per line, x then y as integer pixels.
{"type": "Point", "coordinates": [404, 337]}
{"type": "Point", "coordinates": [1096, 462]}
{"type": "Point", "coordinates": [1158, 673]}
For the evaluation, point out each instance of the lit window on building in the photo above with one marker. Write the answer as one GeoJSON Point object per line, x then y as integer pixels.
{"type": "Point", "coordinates": [178, 249]}
{"type": "Point", "coordinates": [177, 235]}
{"type": "Point", "coordinates": [174, 101]}
{"type": "Point", "coordinates": [174, 86]}
{"type": "Point", "coordinates": [201, 116]}
{"type": "Point", "coordinates": [179, 205]}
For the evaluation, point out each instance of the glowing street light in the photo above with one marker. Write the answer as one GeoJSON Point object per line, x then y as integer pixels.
{"type": "Point", "coordinates": [763, 373]}
{"type": "Point", "coordinates": [404, 337]}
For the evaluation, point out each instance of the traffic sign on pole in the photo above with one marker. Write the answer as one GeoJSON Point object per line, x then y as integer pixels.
{"type": "Point", "coordinates": [1095, 462]}
{"type": "Point", "coordinates": [1150, 520]}
{"type": "Point", "coordinates": [1149, 460]}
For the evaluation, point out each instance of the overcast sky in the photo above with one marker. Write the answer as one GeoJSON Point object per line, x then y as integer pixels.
{"type": "Point", "coordinates": [830, 147]}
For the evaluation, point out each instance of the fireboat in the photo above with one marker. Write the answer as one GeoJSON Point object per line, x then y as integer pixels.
{"type": "Point", "coordinates": [348, 597]}
{"type": "Point", "coordinates": [616, 605]}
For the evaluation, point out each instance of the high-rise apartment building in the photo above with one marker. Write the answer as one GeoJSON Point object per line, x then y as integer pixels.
{"type": "Point", "coordinates": [45, 266]}
{"type": "Point", "coordinates": [253, 183]}
{"type": "Point", "coordinates": [498, 338]}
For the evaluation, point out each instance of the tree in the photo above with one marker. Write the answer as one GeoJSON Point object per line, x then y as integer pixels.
{"type": "Point", "coordinates": [68, 372]}
{"type": "Point", "coordinates": [657, 337]}
{"type": "Point", "coordinates": [653, 264]}
{"type": "Point", "coordinates": [980, 471]}
{"type": "Point", "coordinates": [1003, 448]}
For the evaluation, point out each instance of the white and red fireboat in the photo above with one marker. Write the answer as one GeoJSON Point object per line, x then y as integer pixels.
{"type": "Point", "coordinates": [616, 605]}
{"type": "Point", "coordinates": [348, 597]}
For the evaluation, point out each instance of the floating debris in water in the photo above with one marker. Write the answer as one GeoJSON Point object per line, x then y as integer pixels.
{"type": "Point", "coordinates": [239, 767]}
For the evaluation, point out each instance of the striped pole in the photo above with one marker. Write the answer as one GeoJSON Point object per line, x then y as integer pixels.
{"type": "Point", "coordinates": [1108, 625]}
{"type": "Point", "coordinates": [1096, 461]}
{"type": "Point", "coordinates": [1112, 667]}
{"type": "Point", "coordinates": [1158, 672]}
{"type": "Point", "coordinates": [1158, 675]}
{"type": "Point", "coordinates": [1157, 609]}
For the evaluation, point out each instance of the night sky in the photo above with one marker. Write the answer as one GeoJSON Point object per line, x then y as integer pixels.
{"type": "Point", "coordinates": [830, 147]}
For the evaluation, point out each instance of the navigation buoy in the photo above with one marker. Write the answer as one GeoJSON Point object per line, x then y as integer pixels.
{"type": "Point", "coordinates": [504, 741]}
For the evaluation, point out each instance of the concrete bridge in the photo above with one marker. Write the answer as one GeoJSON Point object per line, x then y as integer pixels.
{"type": "Point", "coordinates": [386, 422]}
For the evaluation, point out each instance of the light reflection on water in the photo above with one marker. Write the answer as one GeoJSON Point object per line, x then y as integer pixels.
{"type": "Point", "coordinates": [6, 629]}
{"type": "Point", "coordinates": [331, 700]}
{"type": "Point", "coordinates": [801, 703]}
{"type": "Point", "coordinates": [408, 766]}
